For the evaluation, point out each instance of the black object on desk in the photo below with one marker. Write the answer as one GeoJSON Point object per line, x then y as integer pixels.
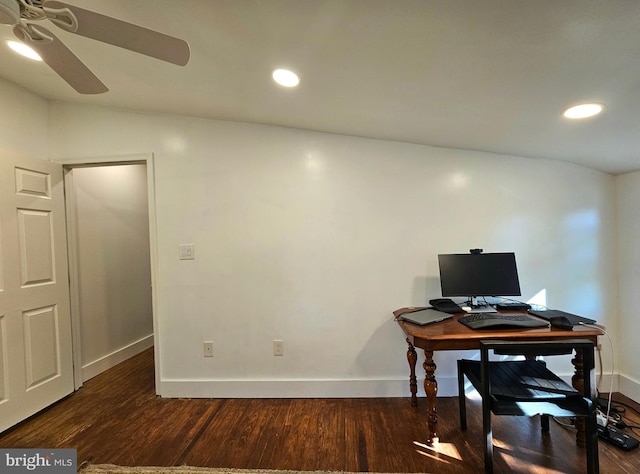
{"type": "Point", "coordinates": [513, 306]}
{"type": "Point", "coordinates": [552, 313]}
{"type": "Point", "coordinates": [561, 322]}
{"type": "Point", "coordinates": [501, 321]}
{"type": "Point", "coordinates": [446, 305]}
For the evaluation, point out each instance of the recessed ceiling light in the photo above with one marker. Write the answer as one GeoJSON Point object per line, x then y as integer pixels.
{"type": "Point", "coordinates": [583, 111]}
{"type": "Point", "coordinates": [286, 78]}
{"type": "Point", "coordinates": [23, 49]}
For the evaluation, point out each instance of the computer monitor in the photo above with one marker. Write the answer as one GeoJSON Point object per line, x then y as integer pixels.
{"type": "Point", "coordinates": [478, 275]}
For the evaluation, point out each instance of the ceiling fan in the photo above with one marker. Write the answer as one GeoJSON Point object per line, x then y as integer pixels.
{"type": "Point", "coordinates": [20, 14]}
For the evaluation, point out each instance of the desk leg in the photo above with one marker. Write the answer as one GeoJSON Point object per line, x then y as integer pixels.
{"type": "Point", "coordinates": [431, 389]}
{"type": "Point", "coordinates": [412, 358]}
{"type": "Point", "coordinates": [578, 384]}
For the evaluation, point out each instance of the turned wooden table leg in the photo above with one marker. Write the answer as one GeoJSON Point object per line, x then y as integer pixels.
{"type": "Point", "coordinates": [578, 383]}
{"type": "Point", "coordinates": [412, 358]}
{"type": "Point", "coordinates": [431, 389]}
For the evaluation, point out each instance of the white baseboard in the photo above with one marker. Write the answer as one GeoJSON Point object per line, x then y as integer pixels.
{"type": "Point", "coordinates": [298, 388]}
{"type": "Point", "coordinates": [282, 388]}
{"type": "Point", "coordinates": [629, 388]}
{"type": "Point", "coordinates": [98, 366]}
{"type": "Point", "coordinates": [447, 387]}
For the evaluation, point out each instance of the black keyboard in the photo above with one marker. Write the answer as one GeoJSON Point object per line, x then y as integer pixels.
{"type": "Point", "coordinates": [501, 321]}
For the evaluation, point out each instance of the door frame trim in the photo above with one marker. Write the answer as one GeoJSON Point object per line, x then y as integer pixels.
{"type": "Point", "coordinates": [68, 164]}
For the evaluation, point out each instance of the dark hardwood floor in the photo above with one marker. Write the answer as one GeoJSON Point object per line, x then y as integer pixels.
{"type": "Point", "coordinates": [116, 418]}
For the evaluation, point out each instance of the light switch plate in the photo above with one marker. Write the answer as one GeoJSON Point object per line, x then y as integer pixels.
{"type": "Point", "coordinates": [187, 251]}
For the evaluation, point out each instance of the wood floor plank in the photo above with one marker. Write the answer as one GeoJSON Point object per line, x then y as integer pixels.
{"type": "Point", "coordinates": [355, 447]}
{"type": "Point", "coordinates": [154, 434]}
{"type": "Point", "coordinates": [379, 428]}
{"type": "Point", "coordinates": [272, 435]}
{"type": "Point", "coordinates": [116, 418]}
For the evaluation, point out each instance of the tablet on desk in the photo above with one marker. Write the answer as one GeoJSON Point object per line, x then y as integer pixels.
{"type": "Point", "coordinates": [425, 316]}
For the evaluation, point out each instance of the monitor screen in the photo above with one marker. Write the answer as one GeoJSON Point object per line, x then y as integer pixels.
{"type": "Point", "coordinates": [481, 274]}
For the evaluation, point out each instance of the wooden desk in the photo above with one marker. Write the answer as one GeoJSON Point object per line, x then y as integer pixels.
{"type": "Point", "coordinates": [451, 335]}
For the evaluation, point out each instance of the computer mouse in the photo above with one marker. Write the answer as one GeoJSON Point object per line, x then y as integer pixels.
{"type": "Point", "coordinates": [561, 322]}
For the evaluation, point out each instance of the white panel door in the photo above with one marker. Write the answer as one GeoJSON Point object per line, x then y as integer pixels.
{"type": "Point", "coordinates": [36, 367]}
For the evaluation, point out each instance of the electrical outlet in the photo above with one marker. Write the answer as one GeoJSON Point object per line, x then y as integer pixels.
{"type": "Point", "coordinates": [207, 347]}
{"type": "Point", "coordinates": [278, 348]}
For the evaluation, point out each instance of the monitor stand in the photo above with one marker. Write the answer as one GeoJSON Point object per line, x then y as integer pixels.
{"type": "Point", "coordinates": [477, 307]}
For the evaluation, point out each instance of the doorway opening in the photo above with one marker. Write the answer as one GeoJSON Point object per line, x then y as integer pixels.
{"type": "Point", "coordinates": [110, 207]}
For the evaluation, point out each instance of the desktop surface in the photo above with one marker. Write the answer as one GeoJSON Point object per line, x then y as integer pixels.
{"type": "Point", "coordinates": [452, 335]}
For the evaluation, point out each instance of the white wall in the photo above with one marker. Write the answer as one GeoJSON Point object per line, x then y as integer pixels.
{"type": "Point", "coordinates": [628, 218]}
{"type": "Point", "coordinates": [316, 238]}
{"type": "Point", "coordinates": [111, 226]}
{"type": "Point", "coordinates": [24, 120]}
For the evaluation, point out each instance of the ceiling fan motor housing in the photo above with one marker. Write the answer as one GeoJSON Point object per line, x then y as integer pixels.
{"type": "Point", "coordinates": [9, 12]}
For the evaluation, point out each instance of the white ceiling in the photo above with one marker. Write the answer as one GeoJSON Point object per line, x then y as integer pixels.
{"type": "Point", "coordinates": [489, 75]}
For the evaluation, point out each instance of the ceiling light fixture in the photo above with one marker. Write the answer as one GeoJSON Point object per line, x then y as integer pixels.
{"type": "Point", "coordinates": [286, 78]}
{"type": "Point", "coordinates": [24, 50]}
{"type": "Point", "coordinates": [583, 111]}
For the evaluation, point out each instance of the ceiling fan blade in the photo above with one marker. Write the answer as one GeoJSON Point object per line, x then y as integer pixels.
{"type": "Point", "coordinates": [59, 58]}
{"type": "Point", "coordinates": [119, 33]}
